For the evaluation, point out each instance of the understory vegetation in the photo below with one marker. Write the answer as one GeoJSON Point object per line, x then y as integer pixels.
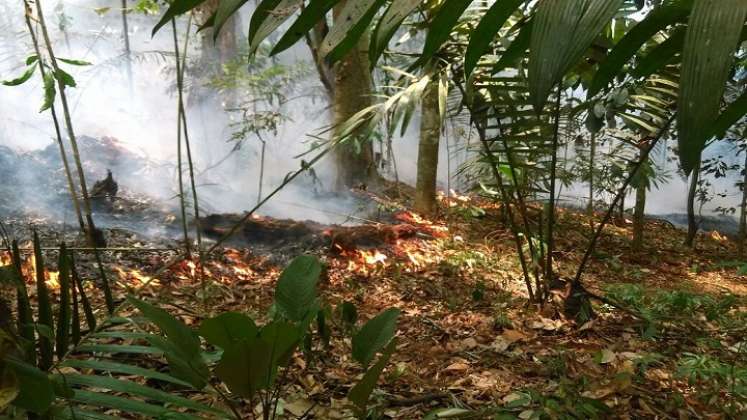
{"type": "Point", "coordinates": [367, 279]}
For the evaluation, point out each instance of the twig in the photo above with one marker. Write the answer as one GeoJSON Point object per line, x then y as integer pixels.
{"type": "Point", "coordinates": [618, 197]}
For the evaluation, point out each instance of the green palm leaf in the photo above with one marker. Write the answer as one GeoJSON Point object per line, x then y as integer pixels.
{"type": "Point", "coordinates": [484, 33]}
{"type": "Point", "coordinates": [563, 30]}
{"type": "Point", "coordinates": [713, 32]}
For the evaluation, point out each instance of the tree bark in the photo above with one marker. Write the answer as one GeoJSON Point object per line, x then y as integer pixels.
{"type": "Point", "coordinates": [743, 212]}
{"type": "Point", "coordinates": [638, 217]}
{"type": "Point", "coordinates": [692, 223]}
{"type": "Point", "coordinates": [430, 135]}
{"type": "Point", "coordinates": [353, 84]}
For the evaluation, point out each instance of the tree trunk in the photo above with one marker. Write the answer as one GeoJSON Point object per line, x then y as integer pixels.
{"type": "Point", "coordinates": [592, 152]}
{"type": "Point", "coordinates": [353, 92]}
{"type": "Point", "coordinates": [214, 53]}
{"type": "Point", "coordinates": [430, 135]}
{"type": "Point", "coordinates": [692, 223]}
{"type": "Point", "coordinates": [743, 212]}
{"type": "Point", "coordinates": [638, 217]}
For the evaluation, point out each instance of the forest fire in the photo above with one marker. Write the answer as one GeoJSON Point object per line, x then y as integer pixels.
{"type": "Point", "coordinates": [365, 262]}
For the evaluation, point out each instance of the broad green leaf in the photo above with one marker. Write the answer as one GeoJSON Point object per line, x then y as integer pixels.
{"type": "Point", "coordinates": [74, 62]}
{"type": "Point", "coordinates": [228, 328]}
{"type": "Point", "coordinates": [349, 25]}
{"type": "Point", "coordinates": [246, 366]}
{"type": "Point", "coordinates": [63, 310]}
{"type": "Point", "coordinates": [176, 331]}
{"type": "Point", "coordinates": [563, 30]}
{"type": "Point", "coordinates": [22, 78]}
{"type": "Point", "coordinates": [516, 49]}
{"type": "Point", "coordinates": [387, 26]}
{"type": "Point", "coordinates": [226, 8]}
{"type": "Point", "coordinates": [32, 59]}
{"type": "Point", "coordinates": [283, 339]}
{"type": "Point", "coordinates": [374, 336]}
{"type": "Point", "coordinates": [733, 113]}
{"type": "Point", "coordinates": [45, 319]}
{"type": "Point", "coordinates": [712, 36]}
{"type": "Point", "coordinates": [268, 16]}
{"type": "Point", "coordinates": [361, 392]}
{"type": "Point", "coordinates": [348, 312]}
{"type": "Point", "coordinates": [36, 392]}
{"type": "Point", "coordinates": [127, 405]}
{"type": "Point", "coordinates": [295, 293]}
{"type": "Point", "coordinates": [175, 9]}
{"type": "Point", "coordinates": [440, 27]}
{"type": "Point", "coordinates": [314, 12]}
{"type": "Point", "coordinates": [484, 33]}
{"type": "Point", "coordinates": [674, 11]}
{"type": "Point", "coordinates": [189, 367]}
{"type": "Point", "coordinates": [132, 388]}
{"type": "Point", "coordinates": [105, 366]}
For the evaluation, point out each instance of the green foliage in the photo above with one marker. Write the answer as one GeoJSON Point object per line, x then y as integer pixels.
{"type": "Point", "coordinates": [352, 22]}
{"type": "Point", "coordinates": [578, 24]}
{"type": "Point", "coordinates": [482, 36]}
{"type": "Point", "coordinates": [295, 294]}
{"type": "Point", "coordinates": [227, 329]}
{"type": "Point", "coordinates": [712, 36]}
{"type": "Point", "coordinates": [715, 377]}
{"type": "Point", "coordinates": [374, 336]}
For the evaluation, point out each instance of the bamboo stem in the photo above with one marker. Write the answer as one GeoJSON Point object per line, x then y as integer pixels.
{"type": "Point", "coordinates": [92, 231]}
{"type": "Point", "coordinates": [180, 171]}
{"type": "Point", "coordinates": [55, 120]}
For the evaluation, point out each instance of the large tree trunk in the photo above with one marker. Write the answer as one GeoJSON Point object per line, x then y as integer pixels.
{"type": "Point", "coordinates": [430, 134]}
{"type": "Point", "coordinates": [214, 53]}
{"type": "Point", "coordinates": [743, 212]}
{"type": "Point", "coordinates": [352, 92]}
{"type": "Point", "coordinates": [692, 223]}
{"type": "Point", "coordinates": [638, 217]}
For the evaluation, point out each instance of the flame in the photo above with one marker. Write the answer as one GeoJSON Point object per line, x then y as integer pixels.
{"type": "Point", "coordinates": [5, 259]}
{"type": "Point", "coordinates": [364, 262]}
{"type": "Point", "coordinates": [134, 278]}
{"type": "Point", "coordinates": [52, 279]}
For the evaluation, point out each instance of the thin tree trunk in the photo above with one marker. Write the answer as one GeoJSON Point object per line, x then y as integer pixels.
{"type": "Point", "coordinates": [743, 212]}
{"type": "Point", "coordinates": [58, 133]}
{"type": "Point", "coordinates": [430, 135]}
{"type": "Point", "coordinates": [549, 276]}
{"type": "Point", "coordinates": [692, 223]}
{"type": "Point", "coordinates": [179, 163]}
{"type": "Point", "coordinates": [128, 55]}
{"type": "Point", "coordinates": [354, 158]}
{"type": "Point", "coordinates": [638, 218]}
{"type": "Point", "coordinates": [592, 153]}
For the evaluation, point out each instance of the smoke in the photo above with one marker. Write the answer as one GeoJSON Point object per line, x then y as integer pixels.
{"type": "Point", "coordinates": [142, 119]}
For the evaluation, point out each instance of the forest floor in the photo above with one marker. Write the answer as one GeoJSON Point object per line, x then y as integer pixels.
{"type": "Point", "coordinates": [467, 337]}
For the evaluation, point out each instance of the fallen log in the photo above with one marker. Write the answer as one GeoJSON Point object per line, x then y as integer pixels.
{"type": "Point", "coordinates": [333, 238]}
